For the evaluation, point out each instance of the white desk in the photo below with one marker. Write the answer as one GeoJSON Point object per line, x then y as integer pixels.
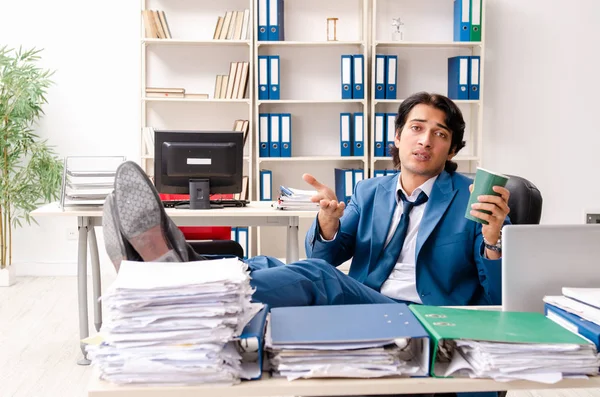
{"type": "Point", "coordinates": [329, 387]}
{"type": "Point", "coordinates": [255, 214]}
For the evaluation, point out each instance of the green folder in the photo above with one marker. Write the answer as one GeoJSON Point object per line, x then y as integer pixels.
{"type": "Point", "coordinates": [475, 34]}
{"type": "Point", "coordinates": [446, 324]}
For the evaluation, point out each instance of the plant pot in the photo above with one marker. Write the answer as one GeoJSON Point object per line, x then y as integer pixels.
{"type": "Point", "coordinates": [8, 276]}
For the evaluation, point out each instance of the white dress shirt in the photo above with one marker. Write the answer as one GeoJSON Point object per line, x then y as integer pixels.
{"type": "Point", "coordinates": [402, 281]}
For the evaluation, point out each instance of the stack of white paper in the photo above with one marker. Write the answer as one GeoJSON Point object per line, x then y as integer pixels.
{"type": "Point", "coordinates": [340, 361]}
{"type": "Point", "coordinates": [547, 363]}
{"type": "Point", "coordinates": [368, 359]}
{"type": "Point", "coordinates": [174, 323]}
{"type": "Point", "coordinates": [296, 199]}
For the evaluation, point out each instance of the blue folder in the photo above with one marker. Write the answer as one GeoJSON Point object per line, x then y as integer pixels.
{"type": "Point", "coordinates": [377, 324]}
{"type": "Point", "coordinates": [462, 20]}
{"type": "Point", "coordinates": [251, 343]}
{"type": "Point", "coordinates": [573, 322]}
{"type": "Point", "coordinates": [275, 20]}
{"type": "Point", "coordinates": [458, 77]}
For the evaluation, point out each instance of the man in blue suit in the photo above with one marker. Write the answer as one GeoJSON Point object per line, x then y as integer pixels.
{"type": "Point", "coordinates": [406, 234]}
{"type": "Point", "coordinates": [445, 259]}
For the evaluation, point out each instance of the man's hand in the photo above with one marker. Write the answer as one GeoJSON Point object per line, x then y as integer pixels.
{"type": "Point", "coordinates": [498, 206]}
{"type": "Point", "coordinates": [331, 210]}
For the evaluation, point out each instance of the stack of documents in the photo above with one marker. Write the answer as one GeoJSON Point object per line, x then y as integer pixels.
{"type": "Point", "coordinates": [351, 341]}
{"type": "Point", "coordinates": [578, 310]}
{"type": "Point", "coordinates": [296, 199]}
{"type": "Point", "coordinates": [175, 323]}
{"type": "Point", "coordinates": [504, 345]}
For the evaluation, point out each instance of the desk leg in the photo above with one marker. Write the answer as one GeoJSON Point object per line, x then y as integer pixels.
{"type": "Point", "coordinates": [292, 252]}
{"type": "Point", "coordinates": [96, 278]}
{"type": "Point", "coordinates": [82, 285]}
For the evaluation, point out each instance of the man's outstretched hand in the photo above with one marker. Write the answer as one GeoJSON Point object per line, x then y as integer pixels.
{"type": "Point", "coordinates": [331, 210]}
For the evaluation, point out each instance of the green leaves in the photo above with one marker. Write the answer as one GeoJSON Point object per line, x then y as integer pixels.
{"type": "Point", "coordinates": [30, 172]}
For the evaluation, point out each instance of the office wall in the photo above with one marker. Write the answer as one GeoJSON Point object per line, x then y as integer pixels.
{"type": "Point", "coordinates": [540, 94]}
{"type": "Point", "coordinates": [93, 107]}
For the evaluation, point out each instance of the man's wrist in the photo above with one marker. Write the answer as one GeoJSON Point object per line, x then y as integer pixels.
{"type": "Point", "coordinates": [328, 228]}
{"type": "Point", "coordinates": [494, 245]}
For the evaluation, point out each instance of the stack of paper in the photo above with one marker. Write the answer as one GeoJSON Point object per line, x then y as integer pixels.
{"type": "Point", "coordinates": [296, 199]}
{"type": "Point", "coordinates": [504, 345]}
{"type": "Point", "coordinates": [327, 341]}
{"type": "Point", "coordinates": [578, 310]}
{"type": "Point", "coordinates": [175, 323]}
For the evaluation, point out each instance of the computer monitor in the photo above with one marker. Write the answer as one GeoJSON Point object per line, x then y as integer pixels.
{"type": "Point", "coordinates": [198, 163]}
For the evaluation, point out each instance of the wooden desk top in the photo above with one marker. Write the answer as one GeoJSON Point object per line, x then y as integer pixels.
{"type": "Point", "coordinates": [330, 387]}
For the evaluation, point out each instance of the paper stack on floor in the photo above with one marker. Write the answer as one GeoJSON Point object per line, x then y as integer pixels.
{"type": "Point", "coordinates": [504, 345]}
{"type": "Point", "coordinates": [175, 323]}
{"type": "Point", "coordinates": [351, 341]}
{"type": "Point", "coordinates": [296, 199]}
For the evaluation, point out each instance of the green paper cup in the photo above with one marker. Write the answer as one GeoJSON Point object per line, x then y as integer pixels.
{"type": "Point", "coordinates": [482, 185]}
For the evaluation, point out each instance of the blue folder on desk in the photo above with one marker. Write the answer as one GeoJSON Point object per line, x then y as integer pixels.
{"type": "Point", "coordinates": [366, 324]}
{"type": "Point", "coordinates": [574, 323]}
{"type": "Point", "coordinates": [251, 344]}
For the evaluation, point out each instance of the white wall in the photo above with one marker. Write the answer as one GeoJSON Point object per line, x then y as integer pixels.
{"type": "Point", "coordinates": [541, 94]}
{"type": "Point", "coordinates": [541, 87]}
{"type": "Point", "coordinates": [93, 107]}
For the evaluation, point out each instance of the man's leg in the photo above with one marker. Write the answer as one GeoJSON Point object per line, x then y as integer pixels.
{"type": "Point", "coordinates": [305, 283]}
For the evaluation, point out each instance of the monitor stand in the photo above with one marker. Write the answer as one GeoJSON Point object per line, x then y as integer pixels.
{"type": "Point", "coordinates": [200, 195]}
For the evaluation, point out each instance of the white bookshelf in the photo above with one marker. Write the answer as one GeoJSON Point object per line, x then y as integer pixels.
{"type": "Point", "coordinates": [422, 66]}
{"type": "Point", "coordinates": [192, 59]}
{"type": "Point", "coordinates": [310, 90]}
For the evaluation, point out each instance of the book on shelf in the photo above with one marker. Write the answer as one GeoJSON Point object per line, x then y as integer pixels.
{"type": "Point", "coordinates": [232, 26]}
{"type": "Point", "coordinates": [242, 126]}
{"type": "Point", "coordinates": [155, 24]}
{"type": "Point", "coordinates": [243, 195]}
{"type": "Point", "coordinates": [196, 96]}
{"type": "Point", "coordinates": [234, 85]}
{"type": "Point", "coordinates": [165, 92]}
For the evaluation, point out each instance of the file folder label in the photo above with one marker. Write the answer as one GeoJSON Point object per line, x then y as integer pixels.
{"type": "Point", "coordinates": [474, 84]}
{"type": "Point", "coordinates": [263, 77]}
{"type": "Point", "coordinates": [392, 72]}
{"type": "Point", "coordinates": [263, 130]}
{"type": "Point", "coordinates": [359, 138]}
{"type": "Point", "coordinates": [346, 77]}
{"type": "Point", "coordinates": [274, 80]}
{"type": "Point", "coordinates": [358, 91]}
{"type": "Point", "coordinates": [286, 135]}
{"type": "Point", "coordinates": [263, 22]}
{"type": "Point", "coordinates": [345, 134]}
{"type": "Point", "coordinates": [380, 77]}
{"type": "Point", "coordinates": [275, 150]}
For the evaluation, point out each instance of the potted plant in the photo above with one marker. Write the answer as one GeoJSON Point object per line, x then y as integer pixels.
{"type": "Point", "coordinates": [30, 172]}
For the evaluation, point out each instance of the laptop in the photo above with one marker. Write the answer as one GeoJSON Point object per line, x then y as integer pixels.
{"type": "Point", "coordinates": [539, 260]}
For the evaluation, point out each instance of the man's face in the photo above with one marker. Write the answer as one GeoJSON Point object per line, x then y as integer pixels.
{"type": "Point", "coordinates": [424, 142]}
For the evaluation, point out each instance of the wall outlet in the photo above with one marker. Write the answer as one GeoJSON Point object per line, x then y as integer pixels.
{"type": "Point", "coordinates": [592, 218]}
{"type": "Point", "coordinates": [72, 233]}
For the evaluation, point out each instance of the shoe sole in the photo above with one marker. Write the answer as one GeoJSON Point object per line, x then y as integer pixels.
{"type": "Point", "coordinates": [112, 237]}
{"type": "Point", "coordinates": [141, 216]}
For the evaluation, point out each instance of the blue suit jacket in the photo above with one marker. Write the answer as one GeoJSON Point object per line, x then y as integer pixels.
{"type": "Point", "coordinates": [450, 266]}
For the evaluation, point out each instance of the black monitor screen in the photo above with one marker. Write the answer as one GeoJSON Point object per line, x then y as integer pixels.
{"type": "Point", "coordinates": [184, 155]}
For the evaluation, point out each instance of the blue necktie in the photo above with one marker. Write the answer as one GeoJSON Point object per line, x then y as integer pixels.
{"type": "Point", "coordinates": [389, 256]}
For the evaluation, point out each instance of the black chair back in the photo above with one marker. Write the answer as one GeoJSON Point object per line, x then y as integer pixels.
{"type": "Point", "coordinates": [525, 201]}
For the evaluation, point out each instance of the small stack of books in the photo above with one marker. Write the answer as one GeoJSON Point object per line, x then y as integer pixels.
{"type": "Point", "coordinates": [233, 26]}
{"type": "Point", "coordinates": [155, 24]}
{"type": "Point", "coordinates": [233, 86]}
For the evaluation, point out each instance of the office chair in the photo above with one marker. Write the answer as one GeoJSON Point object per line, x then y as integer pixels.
{"type": "Point", "coordinates": [207, 240]}
{"type": "Point", "coordinates": [525, 201]}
